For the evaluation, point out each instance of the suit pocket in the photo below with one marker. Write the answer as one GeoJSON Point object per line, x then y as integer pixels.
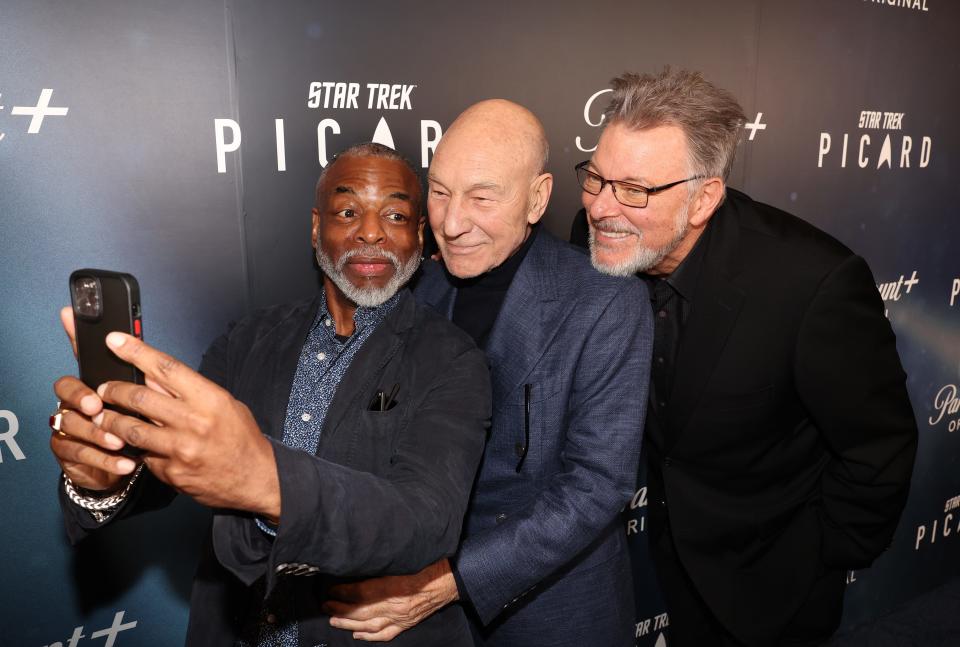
{"type": "Point", "coordinates": [374, 438]}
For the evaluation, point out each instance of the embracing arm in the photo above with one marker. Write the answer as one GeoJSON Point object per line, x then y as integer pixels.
{"type": "Point", "coordinates": [850, 379]}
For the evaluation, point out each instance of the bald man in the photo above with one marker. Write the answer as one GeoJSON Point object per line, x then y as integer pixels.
{"type": "Point", "coordinates": [543, 557]}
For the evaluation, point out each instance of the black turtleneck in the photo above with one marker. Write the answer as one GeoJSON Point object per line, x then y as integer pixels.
{"type": "Point", "coordinates": [479, 298]}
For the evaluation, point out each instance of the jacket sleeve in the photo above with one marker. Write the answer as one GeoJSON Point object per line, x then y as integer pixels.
{"type": "Point", "coordinates": [849, 377]}
{"type": "Point", "coordinates": [341, 521]}
{"type": "Point", "coordinates": [149, 493]}
{"type": "Point", "coordinates": [606, 409]}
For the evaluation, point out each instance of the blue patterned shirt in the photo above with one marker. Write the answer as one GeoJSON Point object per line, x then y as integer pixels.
{"type": "Point", "coordinates": [324, 361]}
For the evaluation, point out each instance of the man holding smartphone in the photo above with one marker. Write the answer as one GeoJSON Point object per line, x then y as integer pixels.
{"type": "Point", "coordinates": [337, 436]}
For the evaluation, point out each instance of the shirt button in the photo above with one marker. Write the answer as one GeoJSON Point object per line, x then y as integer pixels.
{"type": "Point", "coordinates": [305, 417]}
{"type": "Point", "coordinates": [660, 360]}
{"type": "Point", "coordinates": [321, 356]}
{"type": "Point", "coordinates": [662, 314]}
{"type": "Point", "coordinates": [501, 518]}
{"type": "Point", "coordinates": [326, 322]}
{"type": "Point", "coordinates": [663, 404]}
{"type": "Point", "coordinates": [271, 619]}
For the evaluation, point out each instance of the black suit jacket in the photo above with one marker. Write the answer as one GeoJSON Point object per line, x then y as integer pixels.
{"type": "Point", "coordinates": [385, 493]}
{"type": "Point", "coordinates": [788, 440]}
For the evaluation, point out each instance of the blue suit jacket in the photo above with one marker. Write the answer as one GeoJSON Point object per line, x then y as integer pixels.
{"type": "Point", "coordinates": [544, 558]}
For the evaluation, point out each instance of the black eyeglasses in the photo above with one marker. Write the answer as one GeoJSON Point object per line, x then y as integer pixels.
{"type": "Point", "coordinates": [627, 194]}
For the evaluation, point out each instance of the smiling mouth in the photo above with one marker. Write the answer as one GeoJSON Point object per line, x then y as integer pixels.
{"type": "Point", "coordinates": [461, 249]}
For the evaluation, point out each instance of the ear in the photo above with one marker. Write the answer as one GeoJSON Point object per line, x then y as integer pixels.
{"type": "Point", "coordinates": [707, 200]}
{"type": "Point", "coordinates": [540, 190]}
{"type": "Point", "coordinates": [315, 227]}
{"type": "Point", "coordinates": [420, 226]}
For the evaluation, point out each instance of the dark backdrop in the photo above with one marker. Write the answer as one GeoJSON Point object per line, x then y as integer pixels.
{"type": "Point", "coordinates": [130, 178]}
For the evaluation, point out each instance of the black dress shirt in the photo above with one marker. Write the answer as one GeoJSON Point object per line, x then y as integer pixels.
{"type": "Point", "coordinates": [480, 298]}
{"type": "Point", "coordinates": [672, 298]}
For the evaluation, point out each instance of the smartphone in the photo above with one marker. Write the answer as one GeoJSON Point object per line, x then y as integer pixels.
{"type": "Point", "coordinates": [104, 302]}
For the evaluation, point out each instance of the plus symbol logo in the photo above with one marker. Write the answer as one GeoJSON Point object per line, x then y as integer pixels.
{"type": "Point", "coordinates": [755, 126]}
{"type": "Point", "coordinates": [110, 632]}
{"type": "Point", "coordinates": [38, 112]}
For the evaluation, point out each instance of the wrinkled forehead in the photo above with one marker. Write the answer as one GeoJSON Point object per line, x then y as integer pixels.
{"type": "Point", "coordinates": [466, 159]}
{"type": "Point", "coordinates": [370, 176]}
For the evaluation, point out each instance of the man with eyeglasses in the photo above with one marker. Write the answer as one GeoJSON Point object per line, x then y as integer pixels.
{"type": "Point", "coordinates": [543, 561]}
{"type": "Point", "coordinates": [779, 439]}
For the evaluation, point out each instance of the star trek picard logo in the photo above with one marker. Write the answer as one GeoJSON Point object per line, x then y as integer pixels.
{"type": "Point", "coordinates": [329, 96]}
{"type": "Point", "coordinates": [8, 437]}
{"type": "Point", "coordinates": [941, 528]}
{"type": "Point", "coordinates": [882, 143]}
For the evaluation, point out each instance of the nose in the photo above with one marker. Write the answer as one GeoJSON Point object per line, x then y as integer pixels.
{"type": "Point", "coordinates": [456, 220]}
{"type": "Point", "coordinates": [603, 205]}
{"type": "Point", "coordinates": [370, 231]}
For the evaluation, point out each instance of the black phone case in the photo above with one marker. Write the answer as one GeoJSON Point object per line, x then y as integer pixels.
{"type": "Point", "coordinates": [120, 311]}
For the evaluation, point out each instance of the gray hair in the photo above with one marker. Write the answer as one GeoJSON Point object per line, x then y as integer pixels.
{"type": "Point", "coordinates": [369, 149]}
{"type": "Point", "coordinates": [710, 117]}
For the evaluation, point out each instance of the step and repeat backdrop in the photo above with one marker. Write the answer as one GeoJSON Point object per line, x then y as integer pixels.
{"type": "Point", "coordinates": [180, 141]}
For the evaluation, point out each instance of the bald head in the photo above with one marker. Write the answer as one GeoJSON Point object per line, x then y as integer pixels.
{"type": "Point", "coordinates": [507, 125]}
{"type": "Point", "coordinates": [487, 185]}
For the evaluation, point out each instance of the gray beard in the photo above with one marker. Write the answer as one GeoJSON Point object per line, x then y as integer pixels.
{"type": "Point", "coordinates": [643, 258]}
{"type": "Point", "coordinates": [368, 297]}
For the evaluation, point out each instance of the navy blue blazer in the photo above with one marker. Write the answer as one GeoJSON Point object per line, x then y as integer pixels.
{"type": "Point", "coordinates": [544, 557]}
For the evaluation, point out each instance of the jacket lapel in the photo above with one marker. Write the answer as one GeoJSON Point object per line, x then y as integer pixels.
{"type": "Point", "coordinates": [287, 356]}
{"type": "Point", "coordinates": [528, 319]}
{"type": "Point", "coordinates": [357, 387]}
{"type": "Point", "coordinates": [717, 301]}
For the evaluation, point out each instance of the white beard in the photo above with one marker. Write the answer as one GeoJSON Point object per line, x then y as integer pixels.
{"type": "Point", "coordinates": [643, 258]}
{"type": "Point", "coordinates": [368, 297]}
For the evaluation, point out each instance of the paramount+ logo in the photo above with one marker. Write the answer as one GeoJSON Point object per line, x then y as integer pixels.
{"type": "Point", "coordinates": [110, 633]}
{"type": "Point", "coordinates": [881, 141]}
{"type": "Point", "coordinates": [946, 408]}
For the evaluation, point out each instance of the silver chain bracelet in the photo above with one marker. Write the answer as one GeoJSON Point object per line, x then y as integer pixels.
{"type": "Point", "coordinates": [100, 507]}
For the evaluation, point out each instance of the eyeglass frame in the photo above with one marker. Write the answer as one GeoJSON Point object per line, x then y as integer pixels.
{"type": "Point", "coordinates": [648, 191]}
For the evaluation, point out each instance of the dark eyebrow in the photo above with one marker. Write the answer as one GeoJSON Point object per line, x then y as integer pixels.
{"type": "Point", "coordinates": [344, 189]}
{"type": "Point", "coordinates": [399, 195]}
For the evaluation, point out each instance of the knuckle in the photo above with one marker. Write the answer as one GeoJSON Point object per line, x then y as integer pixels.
{"type": "Point", "coordinates": [199, 421]}
{"type": "Point", "coordinates": [138, 396]}
{"type": "Point", "coordinates": [135, 434]}
{"type": "Point", "coordinates": [167, 364]}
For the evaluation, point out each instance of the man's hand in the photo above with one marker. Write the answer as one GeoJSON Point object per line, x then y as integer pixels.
{"type": "Point", "coordinates": [201, 440]}
{"type": "Point", "coordinates": [379, 609]}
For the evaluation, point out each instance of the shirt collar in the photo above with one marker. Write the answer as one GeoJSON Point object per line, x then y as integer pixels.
{"type": "Point", "coordinates": [684, 278]}
{"type": "Point", "coordinates": [362, 317]}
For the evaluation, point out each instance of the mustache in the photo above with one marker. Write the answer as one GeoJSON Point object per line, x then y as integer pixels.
{"type": "Point", "coordinates": [613, 226]}
{"type": "Point", "coordinates": [369, 251]}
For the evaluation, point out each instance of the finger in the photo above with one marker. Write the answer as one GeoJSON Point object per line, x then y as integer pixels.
{"type": "Point", "coordinates": [153, 384]}
{"type": "Point", "coordinates": [66, 318]}
{"type": "Point", "coordinates": [385, 635]}
{"type": "Point", "coordinates": [82, 428]}
{"type": "Point", "coordinates": [137, 433]}
{"type": "Point", "coordinates": [167, 371]}
{"type": "Point", "coordinates": [71, 450]}
{"type": "Point", "coordinates": [371, 625]}
{"type": "Point", "coordinates": [146, 401]}
{"type": "Point", "coordinates": [345, 611]}
{"type": "Point", "coordinates": [74, 394]}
